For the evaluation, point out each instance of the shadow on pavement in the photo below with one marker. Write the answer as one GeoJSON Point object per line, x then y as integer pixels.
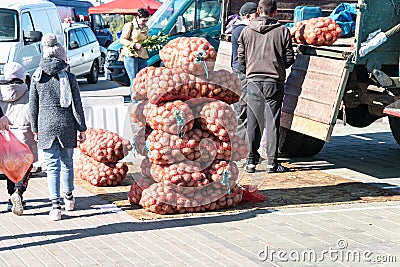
{"type": "Point", "coordinates": [373, 154]}
{"type": "Point", "coordinates": [123, 227]}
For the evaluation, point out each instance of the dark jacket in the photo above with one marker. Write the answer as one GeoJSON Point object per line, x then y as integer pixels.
{"type": "Point", "coordinates": [48, 118]}
{"type": "Point", "coordinates": [236, 31]}
{"type": "Point", "coordinates": [265, 48]}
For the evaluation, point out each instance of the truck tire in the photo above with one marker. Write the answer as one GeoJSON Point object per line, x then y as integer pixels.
{"type": "Point", "coordinates": [359, 116]}
{"type": "Point", "coordinates": [294, 144]}
{"type": "Point", "coordinates": [394, 123]}
{"type": "Point", "coordinates": [93, 76]}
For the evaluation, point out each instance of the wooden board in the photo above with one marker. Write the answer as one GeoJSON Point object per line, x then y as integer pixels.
{"type": "Point", "coordinates": [313, 93]}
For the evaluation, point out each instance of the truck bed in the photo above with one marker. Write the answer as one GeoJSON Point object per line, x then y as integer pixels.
{"type": "Point", "coordinates": [286, 8]}
{"type": "Point", "coordinates": [341, 49]}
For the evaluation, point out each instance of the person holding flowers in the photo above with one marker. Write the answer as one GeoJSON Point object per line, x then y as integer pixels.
{"type": "Point", "coordinates": [134, 54]}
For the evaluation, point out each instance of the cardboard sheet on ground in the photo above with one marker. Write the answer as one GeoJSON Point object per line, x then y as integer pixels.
{"type": "Point", "coordinates": [298, 188]}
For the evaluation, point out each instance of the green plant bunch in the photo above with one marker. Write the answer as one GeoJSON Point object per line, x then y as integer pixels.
{"type": "Point", "coordinates": [154, 42]}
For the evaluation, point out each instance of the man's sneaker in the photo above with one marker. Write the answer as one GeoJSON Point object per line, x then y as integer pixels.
{"type": "Point", "coordinates": [17, 206]}
{"type": "Point", "coordinates": [250, 168]}
{"type": "Point", "coordinates": [276, 168]}
{"type": "Point", "coordinates": [69, 204]}
{"type": "Point", "coordinates": [9, 205]}
{"type": "Point", "coordinates": [263, 152]}
{"type": "Point", "coordinates": [55, 214]}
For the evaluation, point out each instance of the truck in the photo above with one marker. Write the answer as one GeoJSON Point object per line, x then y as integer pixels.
{"type": "Point", "coordinates": [77, 11]}
{"type": "Point", "coordinates": [327, 83]}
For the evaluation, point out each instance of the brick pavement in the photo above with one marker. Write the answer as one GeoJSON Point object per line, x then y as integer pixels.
{"type": "Point", "coordinates": [99, 234]}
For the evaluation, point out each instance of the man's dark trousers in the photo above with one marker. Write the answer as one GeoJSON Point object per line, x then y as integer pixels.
{"type": "Point", "coordinates": [241, 108]}
{"type": "Point", "coordinates": [264, 105]}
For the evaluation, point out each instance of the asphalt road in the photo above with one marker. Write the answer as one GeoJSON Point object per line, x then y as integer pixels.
{"type": "Point", "coordinates": [103, 88]}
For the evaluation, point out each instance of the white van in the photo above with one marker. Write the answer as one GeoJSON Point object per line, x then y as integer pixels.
{"type": "Point", "coordinates": [22, 25]}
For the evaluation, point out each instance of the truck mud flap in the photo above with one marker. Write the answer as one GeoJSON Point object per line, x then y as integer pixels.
{"type": "Point", "coordinates": [313, 93]}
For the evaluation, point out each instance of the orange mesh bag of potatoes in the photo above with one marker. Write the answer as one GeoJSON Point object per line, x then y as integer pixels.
{"type": "Point", "coordinates": [101, 174]}
{"type": "Point", "coordinates": [175, 117]}
{"type": "Point", "coordinates": [193, 55]}
{"type": "Point", "coordinates": [104, 146]}
{"type": "Point", "coordinates": [137, 187]}
{"type": "Point", "coordinates": [316, 31]}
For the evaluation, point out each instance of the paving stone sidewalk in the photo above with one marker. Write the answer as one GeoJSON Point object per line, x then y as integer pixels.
{"type": "Point", "coordinates": [99, 234]}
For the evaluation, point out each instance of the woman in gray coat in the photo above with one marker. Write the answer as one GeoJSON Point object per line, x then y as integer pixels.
{"type": "Point", "coordinates": [58, 120]}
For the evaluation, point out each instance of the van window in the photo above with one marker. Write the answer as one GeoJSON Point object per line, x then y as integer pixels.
{"type": "Point", "coordinates": [8, 26]}
{"type": "Point", "coordinates": [72, 37]}
{"type": "Point", "coordinates": [26, 23]}
{"type": "Point", "coordinates": [57, 29]}
{"type": "Point", "coordinates": [189, 17]}
{"type": "Point", "coordinates": [82, 37]}
{"type": "Point", "coordinates": [41, 21]}
{"type": "Point", "coordinates": [90, 35]}
{"type": "Point", "coordinates": [97, 22]}
{"type": "Point", "coordinates": [167, 11]}
{"type": "Point", "coordinates": [209, 14]}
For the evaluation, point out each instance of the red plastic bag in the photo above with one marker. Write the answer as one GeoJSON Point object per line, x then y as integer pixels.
{"type": "Point", "coordinates": [250, 194]}
{"type": "Point", "coordinates": [15, 157]}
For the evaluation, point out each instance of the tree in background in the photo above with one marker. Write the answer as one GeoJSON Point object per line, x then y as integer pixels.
{"type": "Point", "coordinates": [117, 22]}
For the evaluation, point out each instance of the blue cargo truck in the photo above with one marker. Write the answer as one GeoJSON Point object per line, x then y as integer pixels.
{"type": "Point", "coordinates": [78, 12]}
{"type": "Point", "coordinates": [339, 81]}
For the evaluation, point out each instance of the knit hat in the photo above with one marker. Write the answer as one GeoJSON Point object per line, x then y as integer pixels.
{"type": "Point", "coordinates": [14, 70]}
{"type": "Point", "coordinates": [52, 48]}
{"type": "Point", "coordinates": [248, 8]}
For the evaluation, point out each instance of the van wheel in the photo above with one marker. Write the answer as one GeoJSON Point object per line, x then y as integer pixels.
{"type": "Point", "coordinates": [93, 76]}
{"type": "Point", "coordinates": [394, 123]}
{"type": "Point", "coordinates": [294, 144]}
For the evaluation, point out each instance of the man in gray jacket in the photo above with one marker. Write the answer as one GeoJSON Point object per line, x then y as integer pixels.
{"type": "Point", "coordinates": [265, 48]}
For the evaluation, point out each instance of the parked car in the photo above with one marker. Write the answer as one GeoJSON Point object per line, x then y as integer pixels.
{"type": "Point", "coordinates": [177, 19]}
{"type": "Point", "coordinates": [83, 51]}
{"type": "Point", "coordinates": [114, 68]}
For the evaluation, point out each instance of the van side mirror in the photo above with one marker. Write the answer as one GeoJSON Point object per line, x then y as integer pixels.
{"type": "Point", "coordinates": [33, 36]}
{"type": "Point", "coordinates": [180, 25]}
{"type": "Point", "coordinates": [107, 25]}
{"type": "Point", "coordinates": [73, 45]}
